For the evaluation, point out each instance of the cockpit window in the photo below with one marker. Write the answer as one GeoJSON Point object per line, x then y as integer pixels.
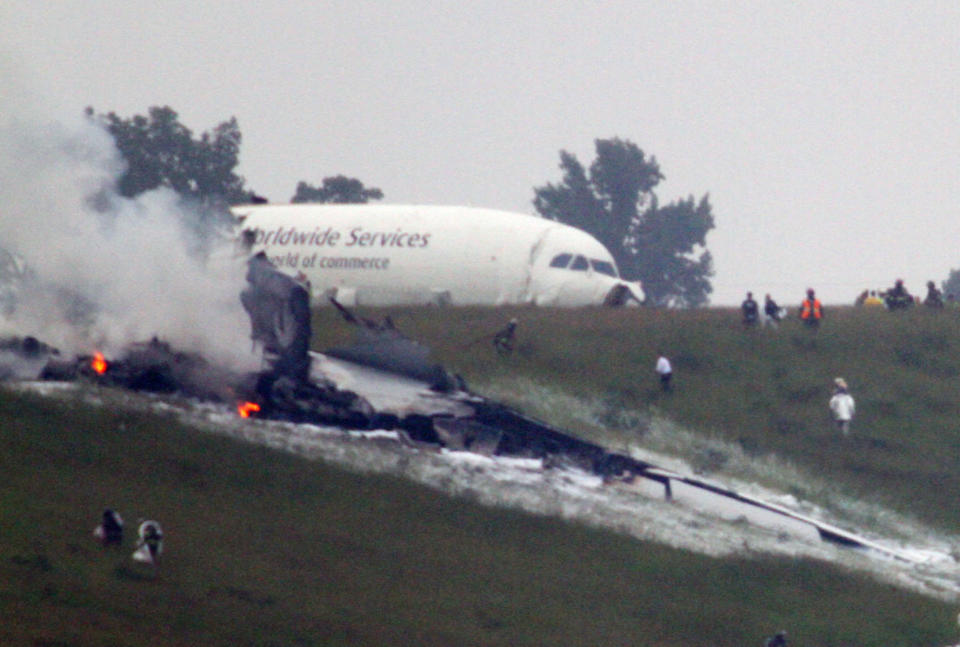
{"type": "Point", "coordinates": [581, 264]}
{"type": "Point", "coordinates": [603, 267]}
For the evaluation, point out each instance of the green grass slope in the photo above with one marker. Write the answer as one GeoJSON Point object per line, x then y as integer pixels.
{"type": "Point", "coordinates": [269, 549]}
{"type": "Point", "coordinates": [762, 391]}
{"type": "Point", "coordinates": [265, 548]}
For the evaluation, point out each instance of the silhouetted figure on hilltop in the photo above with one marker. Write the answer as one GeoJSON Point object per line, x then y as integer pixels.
{"type": "Point", "coordinates": [934, 298]}
{"type": "Point", "coordinates": [811, 310]}
{"type": "Point", "coordinates": [897, 297]}
{"type": "Point", "coordinates": [750, 311]}
{"type": "Point", "coordinates": [771, 312]}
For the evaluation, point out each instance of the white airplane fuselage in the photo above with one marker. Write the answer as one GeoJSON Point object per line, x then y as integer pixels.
{"type": "Point", "coordinates": [403, 254]}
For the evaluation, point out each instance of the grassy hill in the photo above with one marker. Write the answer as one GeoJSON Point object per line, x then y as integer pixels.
{"type": "Point", "coordinates": [270, 549]}
{"type": "Point", "coordinates": [763, 392]}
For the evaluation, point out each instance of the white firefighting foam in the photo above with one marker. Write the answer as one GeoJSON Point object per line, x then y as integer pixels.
{"type": "Point", "coordinates": [927, 561]}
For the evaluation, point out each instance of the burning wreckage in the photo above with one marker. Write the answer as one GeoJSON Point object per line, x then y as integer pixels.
{"type": "Point", "coordinates": [385, 380]}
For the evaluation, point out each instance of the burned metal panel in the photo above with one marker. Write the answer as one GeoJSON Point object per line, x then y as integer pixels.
{"type": "Point", "coordinates": [389, 351]}
{"type": "Point", "coordinates": [279, 311]}
{"type": "Point", "coordinates": [383, 347]}
{"type": "Point", "coordinates": [727, 505]}
{"type": "Point", "coordinates": [525, 437]}
{"type": "Point", "coordinates": [389, 393]}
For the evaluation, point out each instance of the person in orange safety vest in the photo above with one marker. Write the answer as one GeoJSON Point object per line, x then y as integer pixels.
{"type": "Point", "coordinates": [811, 310]}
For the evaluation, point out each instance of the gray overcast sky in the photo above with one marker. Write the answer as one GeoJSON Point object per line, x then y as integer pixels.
{"type": "Point", "coordinates": [826, 133]}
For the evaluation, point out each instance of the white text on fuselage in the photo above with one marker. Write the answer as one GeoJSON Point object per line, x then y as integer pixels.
{"type": "Point", "coordinates": [329, 237]}
{"type": "Point", "coordinates": [299, 243]}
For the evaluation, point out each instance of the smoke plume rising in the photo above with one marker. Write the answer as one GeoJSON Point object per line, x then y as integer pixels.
{"type": "Point", "coordinates": [105, 270]}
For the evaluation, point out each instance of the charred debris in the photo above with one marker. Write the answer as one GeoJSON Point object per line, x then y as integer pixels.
{"type": "Point", "coordinates": [434, 407]}
{"type": "Point", "coordinates": [430, 406]}
{"type": "Point", "coordinates": [383, 380]}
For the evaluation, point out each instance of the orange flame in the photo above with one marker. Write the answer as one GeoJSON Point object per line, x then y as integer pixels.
{"type": "Point", "coordinates": [98, 363]}
{"type": "Point", "coordinates": [246, 409]}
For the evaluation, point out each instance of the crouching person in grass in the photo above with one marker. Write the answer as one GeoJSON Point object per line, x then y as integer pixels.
{"type": "Point", "coordinates": [110, 530]}
{"type": "Point", "coordinates": [149, 543]}
{"type": "Point", "coordinates": [777, 640]}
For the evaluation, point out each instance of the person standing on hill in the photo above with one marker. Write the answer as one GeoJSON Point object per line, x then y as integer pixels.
{"type": "Point", "coordinates": [842, 405]}
{"type": "Point", "coordinates": [811, 310]}
{"type": "Point", "coordinates": [503, 339]}
{"type": "Point", "coordinates": [665, 371]}
{"type": "Point", "coordinates": [749, 310]}
{"type": "Point", "coordinates": [898, 298]}
{"type": "Point", "coordinates": [771, 312]}
{"type": "Point", "coordinates": [934, 297]}
{"type": "Point", "coordinates": [873, 300]}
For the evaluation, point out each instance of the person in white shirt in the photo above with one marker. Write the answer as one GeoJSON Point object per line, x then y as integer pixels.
{"type": "Point", "coordinates": [842, 405]}
{"type": "Point", "coordinates": [665, 371]}
{"type": "Point", "coordinates": [150, 543]}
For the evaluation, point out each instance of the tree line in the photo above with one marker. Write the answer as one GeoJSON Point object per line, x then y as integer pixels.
{"type": "Point", "coordinates": [614, 199]}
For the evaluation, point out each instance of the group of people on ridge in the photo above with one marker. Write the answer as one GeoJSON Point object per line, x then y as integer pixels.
{"type": "Point", "coordinates": [811, 310]}
{"type": "Point", "coordinates": [899, 298]}
{"type": "Point", "coordinates": [772, 313]}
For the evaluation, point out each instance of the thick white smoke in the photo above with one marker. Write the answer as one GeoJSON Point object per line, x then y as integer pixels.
{"type": "Point", "coordinates": [87, 245]}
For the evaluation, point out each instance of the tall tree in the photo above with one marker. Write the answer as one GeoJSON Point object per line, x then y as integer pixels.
{"type": "Point", "coordinates": [663, 247]}
{"type": "Point", "coordinates": [339, 189]}
{"type": "Point", "coordinates": [160, 151]}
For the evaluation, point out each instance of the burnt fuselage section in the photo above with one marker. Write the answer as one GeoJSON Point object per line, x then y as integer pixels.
{"type": "Point", "coordinates": [384, 380]}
